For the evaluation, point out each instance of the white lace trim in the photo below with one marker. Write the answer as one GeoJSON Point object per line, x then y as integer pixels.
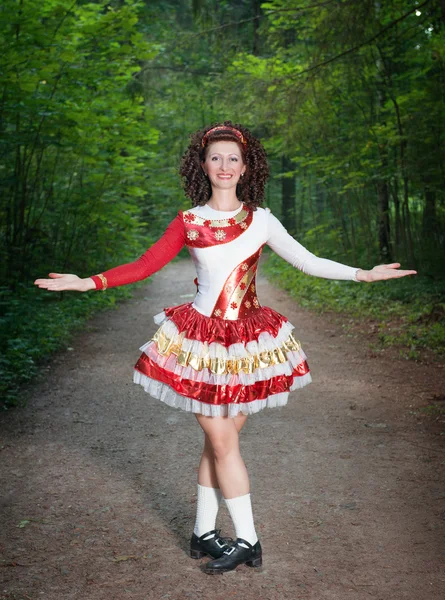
{"type": "Point", "coordinates": [166, 394]}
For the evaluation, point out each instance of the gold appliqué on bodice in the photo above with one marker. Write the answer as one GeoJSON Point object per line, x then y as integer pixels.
{"type": "Point", "coordinates": [238, 298]}
{"type": "Point", "coordinates": [201, 232]}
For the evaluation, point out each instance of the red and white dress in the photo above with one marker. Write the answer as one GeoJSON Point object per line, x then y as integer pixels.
{"type": "Point", "coordinates": [223, 353]}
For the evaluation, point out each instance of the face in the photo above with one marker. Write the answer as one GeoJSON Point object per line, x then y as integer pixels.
{"type": "Point", "coordinates": [224, 164]}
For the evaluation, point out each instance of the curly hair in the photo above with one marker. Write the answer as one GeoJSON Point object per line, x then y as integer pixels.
{"type": "Point", "coordinates": [249, 189]}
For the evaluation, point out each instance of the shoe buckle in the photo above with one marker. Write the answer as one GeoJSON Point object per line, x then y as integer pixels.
{"type": "Point", "coordinates": [230, 550]}
{"type": "Point", "coordinates": [220, 543]}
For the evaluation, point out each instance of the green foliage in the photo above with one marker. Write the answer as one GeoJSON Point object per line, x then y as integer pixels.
{"type": "Point", "coordinates": [409, 313]}
{"type": "Point", "coordinates": [352, 93]}
{"type": "Point", "coordinates": [74, 143]}
{"type": "Point", "coordinates": [35, 325]}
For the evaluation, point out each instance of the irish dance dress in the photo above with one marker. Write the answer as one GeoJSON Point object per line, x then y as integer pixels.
{"type": "Point", "coordinates": [223, 353]}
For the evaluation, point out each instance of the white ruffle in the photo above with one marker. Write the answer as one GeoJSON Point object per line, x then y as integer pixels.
{"type": "Point", "coordinates": [166, 394]}
{"type": "Point", "coordinates": [159, 318]}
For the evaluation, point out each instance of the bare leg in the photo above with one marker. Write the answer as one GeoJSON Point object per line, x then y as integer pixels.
{"type": "Point", "coordinates": [209, 494]}
{"type": "Point", "coordinates": [206, 471]}
{"type": "Point", "coordinates": [221, 439]}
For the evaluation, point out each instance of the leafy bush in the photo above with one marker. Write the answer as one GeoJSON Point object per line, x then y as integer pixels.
{"type": "Point", "coordinates": [35, 323]}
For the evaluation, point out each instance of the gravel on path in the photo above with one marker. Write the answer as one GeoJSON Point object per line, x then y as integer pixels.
{"type": "Point", "coordinates": [98, 479]}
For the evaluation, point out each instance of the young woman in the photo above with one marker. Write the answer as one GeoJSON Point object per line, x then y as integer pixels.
{"type": "Point", "coordinates": [223, 356]}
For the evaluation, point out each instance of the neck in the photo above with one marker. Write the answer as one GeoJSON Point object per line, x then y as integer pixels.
{"type": "Point", "coordinates": [224, 200]}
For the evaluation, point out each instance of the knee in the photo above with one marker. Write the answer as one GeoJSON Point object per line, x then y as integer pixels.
{"type": "Point", "coordinates": [223, 447]}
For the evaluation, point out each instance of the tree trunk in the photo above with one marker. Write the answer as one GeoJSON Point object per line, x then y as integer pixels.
{"type": "Point", "coordinates": [429, 222]}
{"type": "Point", "coordinates": [397, 222]}
{"type": "Point", "coordinates": [384, 239]}
{"type": "Point", "coordinates": [287, 194]}
{"type": "Point", "coordinates": [256, 8]}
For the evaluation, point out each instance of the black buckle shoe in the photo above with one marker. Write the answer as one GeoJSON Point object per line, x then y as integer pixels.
{"type": "Point", "coordinates": [236, 555]}
{"type": "Point", "coordinates": [213, 547]}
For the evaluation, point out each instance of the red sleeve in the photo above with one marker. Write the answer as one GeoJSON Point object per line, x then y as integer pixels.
{"type": "Point", "coordinates": [156, 257]}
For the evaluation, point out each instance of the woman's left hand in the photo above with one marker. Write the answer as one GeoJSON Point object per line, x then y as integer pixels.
{"type": "Point", "coordinates": [382, 272]}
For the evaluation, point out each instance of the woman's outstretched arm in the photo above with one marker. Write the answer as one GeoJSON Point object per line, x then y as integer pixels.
{"type": "Point", "coordinates": [298, 256]}
{"type": "Point", "coordinates": [156, 257]}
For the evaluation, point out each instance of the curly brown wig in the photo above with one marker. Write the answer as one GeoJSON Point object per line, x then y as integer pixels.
{"type": "Point", "coordinates": [250, 189]}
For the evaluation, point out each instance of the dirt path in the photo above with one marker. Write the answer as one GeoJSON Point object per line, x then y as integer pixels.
{"type": "Point", "coordinates": [99, 480]}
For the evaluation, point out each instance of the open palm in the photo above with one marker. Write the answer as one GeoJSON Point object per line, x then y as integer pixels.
{"type": "Point", "coordinates": [62, 281]}
{"type": "Point", "coordinates": [382, 272]}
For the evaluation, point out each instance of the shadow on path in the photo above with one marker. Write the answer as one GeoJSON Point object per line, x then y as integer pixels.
{"type": "Point", "coordinates": [99, 479]}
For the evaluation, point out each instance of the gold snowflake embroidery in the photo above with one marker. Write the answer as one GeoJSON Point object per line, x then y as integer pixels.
{"type": "Point", "coordinates": [244, 266]}
{"type": "Point", "coordinates": [243, 225]}
{"type": "Point", "coordinates": [217, 312]}
{"type": "Point", "coordinates": [252, 288]}
{"type": "Point", "coordinates": [247, 304]}
{"type": "Point", "coordinates": [192, 234]}
{"type": "Point", "coordinates": [220, 235]}
{"type": "Point", "coordinates": [255, 302]}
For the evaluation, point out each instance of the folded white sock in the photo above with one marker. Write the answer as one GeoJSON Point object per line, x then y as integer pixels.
{"type": "Point", "coordinates": [206, 510]}
{"type": "Point", "coordinates": [240, 509]}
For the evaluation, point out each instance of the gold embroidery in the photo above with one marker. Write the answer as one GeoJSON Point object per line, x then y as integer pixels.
{"type": "Point", "coordinates": [104, 281]}
{"type": "Point", "coordinates": [220, 235]}
{"type": "Point", "coordinates": [220, 366]}
{"type": "Point", "coordinates": [190, 217]}
{"type": "Point", "coordinates": [192, 234]}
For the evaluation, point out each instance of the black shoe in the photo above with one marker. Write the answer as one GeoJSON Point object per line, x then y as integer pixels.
{"type": "Point", "coordinates": [213, 547]}
{"type": "Point", "coordinates": [236, 555]}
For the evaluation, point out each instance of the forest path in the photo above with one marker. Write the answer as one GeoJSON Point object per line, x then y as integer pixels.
{"type": "Point", "coordinates": [99, 479]}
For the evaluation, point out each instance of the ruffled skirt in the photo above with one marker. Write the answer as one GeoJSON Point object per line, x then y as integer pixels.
{"type": "Point", "coordinates": [219, 367]}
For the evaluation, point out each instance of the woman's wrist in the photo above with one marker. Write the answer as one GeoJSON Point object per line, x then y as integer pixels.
{"type": "Point", "coordinates": [88, 284]}
{"type": "Point", "coordinates": [361, 275]}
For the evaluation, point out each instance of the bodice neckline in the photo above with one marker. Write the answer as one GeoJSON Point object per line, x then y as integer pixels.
{"type": "Point", "coordinates": [222, 214]}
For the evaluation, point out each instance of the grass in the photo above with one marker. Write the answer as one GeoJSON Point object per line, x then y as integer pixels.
{"type": "Point", "coordinates": [409, 313]}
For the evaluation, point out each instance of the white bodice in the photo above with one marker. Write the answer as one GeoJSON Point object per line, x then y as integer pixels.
{"type": "Point", "coordinates": [216, 264]}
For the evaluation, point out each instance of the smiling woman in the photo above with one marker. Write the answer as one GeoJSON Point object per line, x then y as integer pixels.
{"type": "Point", "coordinates": [223, 162]}
{"type": "Point", "coordinates": [243, 155]}
{"type": "Point", "coordinates": [223, 356]}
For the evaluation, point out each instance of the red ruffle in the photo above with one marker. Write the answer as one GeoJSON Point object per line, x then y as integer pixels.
{"type": "Point", "coordinates": [220, 394]}
{"type": "Point", "coordinates": [224, 331]}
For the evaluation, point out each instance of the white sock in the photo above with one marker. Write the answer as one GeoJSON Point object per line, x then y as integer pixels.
{"type": "Point", "coordinates": [206, 510]}
{"type": "Point", "coordinates": [240, 509]}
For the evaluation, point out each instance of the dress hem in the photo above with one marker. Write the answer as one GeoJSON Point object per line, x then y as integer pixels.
{"type": "Point", "coordinates": [164, 393]}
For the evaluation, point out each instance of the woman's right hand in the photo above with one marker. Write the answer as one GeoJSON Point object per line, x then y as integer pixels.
{"type": "Point", "coordinates": [60, 282]}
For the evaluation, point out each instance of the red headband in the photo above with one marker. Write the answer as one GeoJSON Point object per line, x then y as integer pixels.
{"type": "Point", "coordinates": [238, 134]}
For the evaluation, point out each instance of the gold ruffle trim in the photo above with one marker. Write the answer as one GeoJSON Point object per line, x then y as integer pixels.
{"type": "Point", "coordinates": [221, 366]}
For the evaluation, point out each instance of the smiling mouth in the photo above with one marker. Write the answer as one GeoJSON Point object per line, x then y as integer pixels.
{"type": "Point", "coordinates": [224, 176]}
